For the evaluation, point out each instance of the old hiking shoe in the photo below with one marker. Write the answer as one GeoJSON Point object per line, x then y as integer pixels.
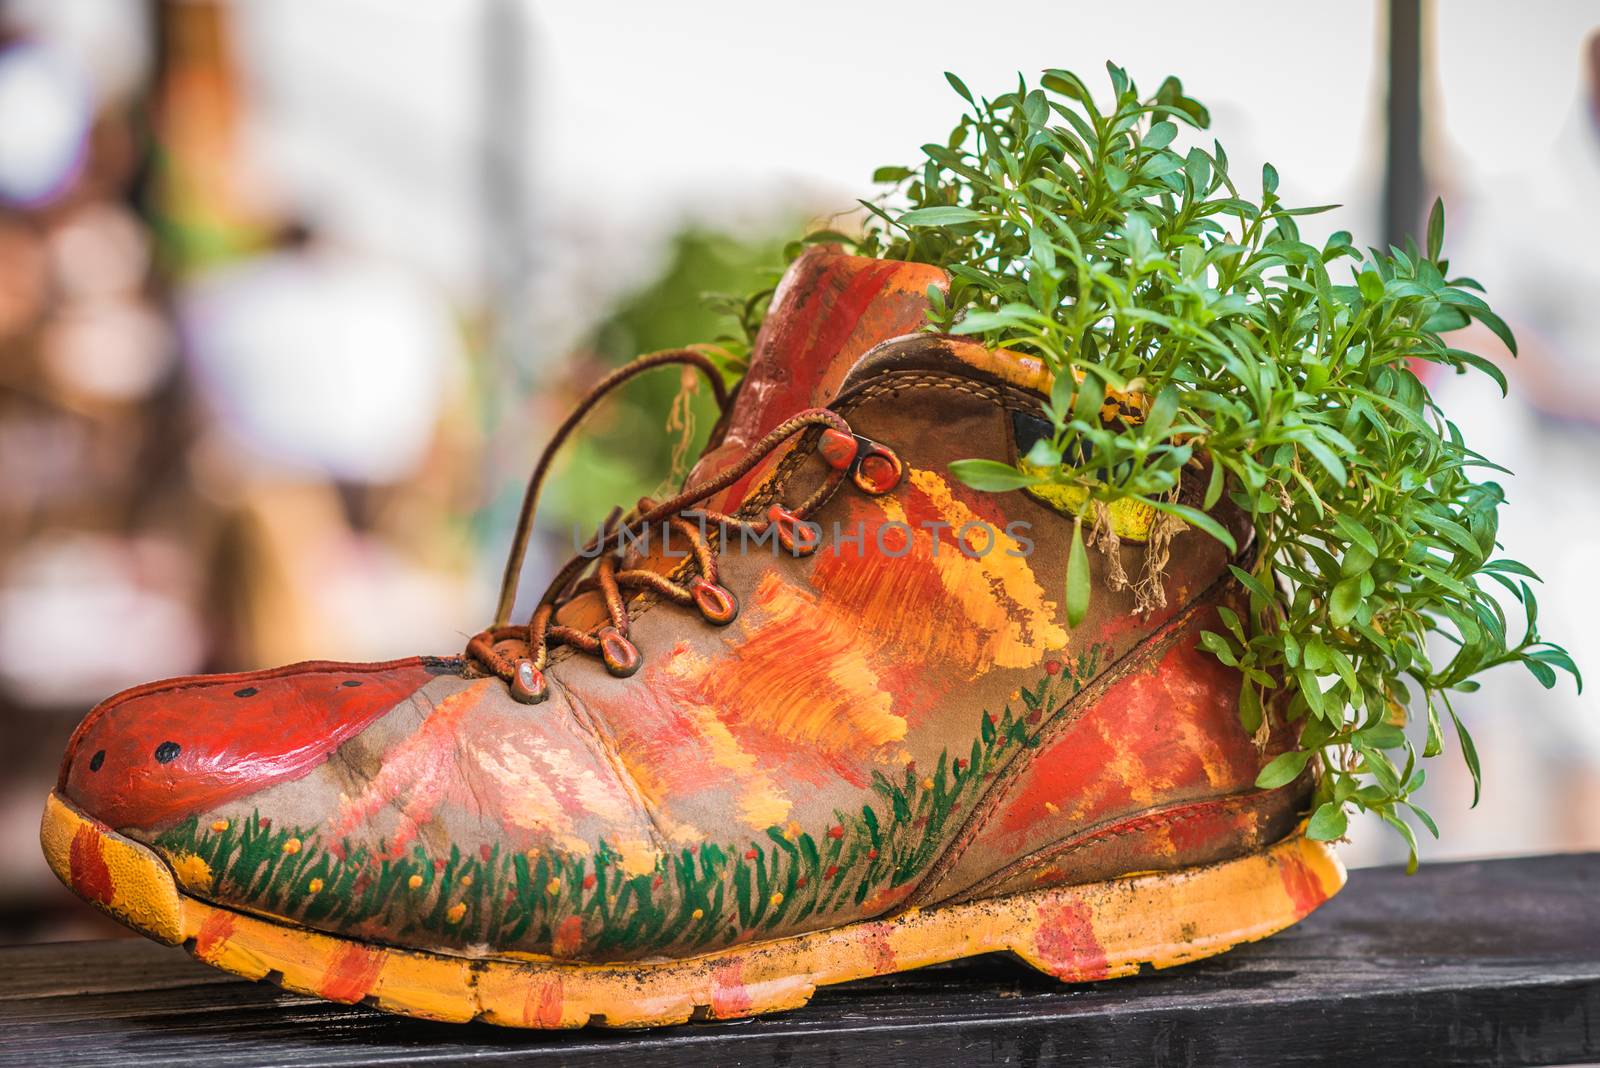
{"type": "Point", "coordinates": [708, 776]}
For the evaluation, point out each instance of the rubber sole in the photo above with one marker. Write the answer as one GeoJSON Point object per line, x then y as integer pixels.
{"type": "Point", "coordinates": [1077, 934]}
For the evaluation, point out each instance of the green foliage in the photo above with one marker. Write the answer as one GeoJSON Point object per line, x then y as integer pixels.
{"type": "Point", "coordinates": [1279, 375]}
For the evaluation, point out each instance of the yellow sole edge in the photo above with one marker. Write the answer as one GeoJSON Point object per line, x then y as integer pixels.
{"type": "Point", "coordinates": [1075, 933]}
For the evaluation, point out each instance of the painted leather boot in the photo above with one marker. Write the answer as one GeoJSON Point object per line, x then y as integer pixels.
{"type": "Point", "coordinates": [830, 722]}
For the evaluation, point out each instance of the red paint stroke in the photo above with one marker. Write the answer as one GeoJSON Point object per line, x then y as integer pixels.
{"type": "Point", "coordinates": [568, 938]}
{"type": "Point", "coordinates": [875, 944]}
{"type": "Point", "coordinates": [1301, 884]}
{"type": "Point", "coordinates": [1067, 945]}
{"type": "Point", "coordinates": [351, 975]}
{"type": "Point", "coordinates": [216, 930]}
{"type": "Point", "coordinates": [729, 996]}
{"type": "Point", "coordinates": [90, 876]}
{"type": "Point", "coordinates": [543, 1006]}
{"type": "Point", "coordinates": [1130, 737]}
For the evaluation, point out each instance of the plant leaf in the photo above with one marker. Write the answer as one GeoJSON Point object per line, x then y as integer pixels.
{"type": "Point", "coordinates": [939, 216]}
{"type": "Point", "coordinates": [1283, 768]}
{"type": "Point", "coordinates": [961, 87]}
{"type": "Point", "coordinates": [1328, 822]}
{"type": "Point", "coordinates": [1077, 577]}
{"type": "Point", "coordinates": [991, 475]}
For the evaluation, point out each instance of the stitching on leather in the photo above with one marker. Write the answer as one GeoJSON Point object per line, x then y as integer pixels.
{"type": "Point", "coordinates": [1149, 647]}
{"type": "Point", "coordinates": [1233, 804]}
{"type": "Point", "coordinates": [892, 381]}
{"type": "Point", "coordinates": [1144, 821]}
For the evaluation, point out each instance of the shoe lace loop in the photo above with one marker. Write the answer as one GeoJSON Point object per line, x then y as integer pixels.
{"type": "Point", "coordinates": [523, 668]}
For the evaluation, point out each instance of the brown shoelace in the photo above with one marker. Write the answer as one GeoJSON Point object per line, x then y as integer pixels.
{"type": "Point", "coordinates": [875, 469]}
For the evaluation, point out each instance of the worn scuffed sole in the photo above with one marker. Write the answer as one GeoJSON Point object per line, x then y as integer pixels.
{"type": "Point", "coordinates": [1078, 933]}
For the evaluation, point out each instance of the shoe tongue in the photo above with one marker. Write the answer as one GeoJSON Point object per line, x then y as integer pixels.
{"type": "Point", "coordinates": [829, 310]}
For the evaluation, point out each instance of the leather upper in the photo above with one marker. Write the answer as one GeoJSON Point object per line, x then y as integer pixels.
{"type": "Point", "coordinates": [902, 718]}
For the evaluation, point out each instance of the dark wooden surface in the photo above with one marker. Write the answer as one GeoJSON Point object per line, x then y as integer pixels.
{"type": "Point", "coordinates": [1479, 963]}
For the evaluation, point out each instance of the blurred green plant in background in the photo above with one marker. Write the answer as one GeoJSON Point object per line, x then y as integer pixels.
{"type": "Point", "coordinates": [637, 443]}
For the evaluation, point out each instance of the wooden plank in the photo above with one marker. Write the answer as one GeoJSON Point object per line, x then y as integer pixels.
{"type": "Point", "coordinates": [1492, 963]}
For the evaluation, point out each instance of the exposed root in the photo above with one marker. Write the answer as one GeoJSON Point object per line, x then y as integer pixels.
{"type": "Point", "coordinates": [680, 421]}
{"type": "Point", "coordinates": [1104, 537]}
{"type": "Point", "coordinates": [1150, 592]}
{"type": "Point", "coordinates": [1263, 733]}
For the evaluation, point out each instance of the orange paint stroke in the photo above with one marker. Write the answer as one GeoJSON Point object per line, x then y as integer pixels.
{"type": "Point", "coordinates": [761, 801]}
{"type": "Point", "coordinates": [729, 996]}
{"type": "Point", "coordinates": [1301, 885]}
{"type": "Point", "coordinates": [90, 876]}
{"type": "Point", "coordinates": [802, 672]}
{"type": "Point", "coordinates": [1067, 944]}
{"type": "Point", "coordinates": [930, 602]}
{"type": "Point", "coordinates": [795, 681]}
{"type": "Point", "coordinates": [214, 932]}
{"type": "Point", "coordinates": [351, 973]}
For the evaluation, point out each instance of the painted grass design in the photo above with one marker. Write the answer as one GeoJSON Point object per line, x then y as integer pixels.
{"type": "Point", "coordinates": [569, 905]}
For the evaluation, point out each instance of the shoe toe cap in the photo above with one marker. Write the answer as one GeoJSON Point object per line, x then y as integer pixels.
{"type": "Point", "coordinates": [156, 754]}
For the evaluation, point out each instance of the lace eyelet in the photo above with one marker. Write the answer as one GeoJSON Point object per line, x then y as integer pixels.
{"type": "Point", "coordinates": [621, 656]}
{"type": "Point", "coordinates": [716, 603]}
{"type": "Point", "coordinates": [797, 536]}
{"type": "Point", "coordinates": [528, 683]}
{"type": "Point", "coordinates": [878, 470]}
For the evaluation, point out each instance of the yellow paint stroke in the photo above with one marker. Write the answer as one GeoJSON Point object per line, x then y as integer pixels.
{"type": "Point", "coordinates": [637, 856]}
{"type": "Point", "coordinates": [192, 871]}
{"type": "Point", "coordinates": [802, 673]}
{"type": "Point", "coordinates": [761, 802]}
{"type": "Point", "coordinates": [527, 800]}
{"type": "Point", "coordinates": [795, 677]}
{"type": "Point", "coordinates": [1130, 519]}
{"type": "Point", "coordinates": [989, 611]}
{"type": "Point", "coordinates": [1027, 623]}
{"type": "Point", "coordinates": [1018, 368]}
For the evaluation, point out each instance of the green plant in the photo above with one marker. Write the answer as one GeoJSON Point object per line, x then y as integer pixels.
{"type": "Point", "coordinates": [1079, 233]}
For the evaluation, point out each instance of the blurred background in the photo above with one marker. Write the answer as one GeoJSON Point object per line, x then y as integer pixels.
{"type": "Point", "coordinates": [290, 295]}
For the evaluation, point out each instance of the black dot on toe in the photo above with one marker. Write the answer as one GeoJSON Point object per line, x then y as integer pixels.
{"type": "Point", "coordinates": [352, 682]}
{"type": "Point", "coordinates": [248, 691]}
{"type": "Point", "coordinates": [167, 752]}
{"type": "Point", "coordinates": [96, 760]}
